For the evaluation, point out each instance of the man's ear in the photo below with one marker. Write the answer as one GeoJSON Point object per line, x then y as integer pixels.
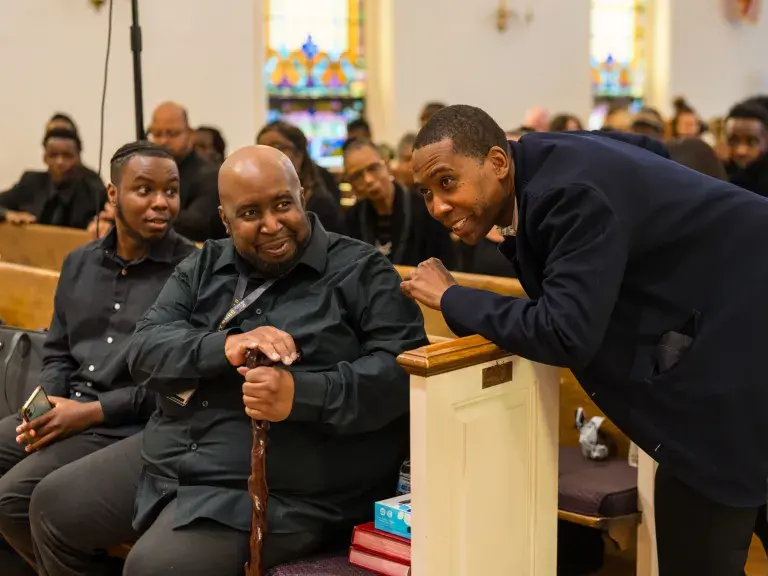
{"type": "Point", "coordinates": [303, 197]}
{"type": "Point", "coordinates": [224, 220]}
{"type": "Point", "coordinates": [111, 194]}
{"type": "Point", "coordinates": [500, 161]}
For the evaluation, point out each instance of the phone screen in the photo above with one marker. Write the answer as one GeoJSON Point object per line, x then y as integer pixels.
{"type": "Point", "coordinates": [37, 405]}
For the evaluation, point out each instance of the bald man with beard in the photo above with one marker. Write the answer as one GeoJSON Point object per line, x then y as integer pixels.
{"type": "Point", "coordinates": [338, 411]}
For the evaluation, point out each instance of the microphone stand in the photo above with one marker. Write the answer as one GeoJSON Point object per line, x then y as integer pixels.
{"type": "Point", "coordinates": [138, 97]}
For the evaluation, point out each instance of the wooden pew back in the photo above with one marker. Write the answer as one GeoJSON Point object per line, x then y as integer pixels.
{"type": "Point", "coordinates": [26, 295]}
{"type": "Point", "coordinates": [572, 395]}
{"type": "Point", "coordinates": [38, 245]}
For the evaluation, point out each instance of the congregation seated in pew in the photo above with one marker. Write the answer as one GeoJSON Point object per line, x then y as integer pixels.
{"type": "Point", "coordinates": [339, 412]}
{"type": "Point", "coordinates": [104, 289]}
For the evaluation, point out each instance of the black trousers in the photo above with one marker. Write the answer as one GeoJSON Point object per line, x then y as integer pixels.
{"type": "Point", "coordinates": [73, 533]}
{"type": "Point", "coordinates": [696, 535]}
{"type": "Point", "coordinates": [20, 473]}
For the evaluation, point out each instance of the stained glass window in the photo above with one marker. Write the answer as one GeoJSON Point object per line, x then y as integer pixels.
{"type": "Point", "coordinates": [618, 48]}
{"type": "Point", "coordinates": [315, 69]}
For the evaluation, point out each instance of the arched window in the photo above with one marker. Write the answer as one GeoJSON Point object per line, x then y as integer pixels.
{"type": "Point", "coordinates": [618, 51]}
{"type": "Point", "coordinates": [315, 69]}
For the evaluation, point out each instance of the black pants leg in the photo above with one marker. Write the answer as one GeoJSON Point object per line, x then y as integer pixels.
{"type": "Point", "coordinates": [17, 484]}
{"type": "Point", "coordinates": [696, 535]}
{"type": "Point", "coordinates": [11, 454]}
{"type": "Point", "coordinates": [81, 510]}
{"type": "Point", "coordinates": [761, 526]}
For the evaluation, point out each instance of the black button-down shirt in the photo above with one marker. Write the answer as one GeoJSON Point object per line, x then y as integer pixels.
{"type": "Point", "coordinates": [99, 298]}
{"type": "Point", "coordinates": [342, 444]}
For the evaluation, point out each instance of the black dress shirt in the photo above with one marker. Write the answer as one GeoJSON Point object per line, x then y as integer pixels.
{"type": "Point", "coordinates": [99, 299]}
{"type": "Point", "coordinates": [72, 203]}
{"type": "Point", "coordinates": [410, 234]}
{"type": "Point", "coordinates": [342, 444]}
{"type": "Point", "coordinates": [199, 218]}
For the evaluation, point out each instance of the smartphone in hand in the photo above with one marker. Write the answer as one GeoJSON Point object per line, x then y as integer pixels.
{"type": "Point", "coordinates": [37, 405]}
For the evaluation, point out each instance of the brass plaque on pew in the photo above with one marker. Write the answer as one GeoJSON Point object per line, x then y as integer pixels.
{"type": "Point", "coordinates": [495, 375]}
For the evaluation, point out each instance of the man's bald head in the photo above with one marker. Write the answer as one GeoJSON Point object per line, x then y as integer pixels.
{"type": "Point", "coordinates": [172, 111]}
{"type": "Point", "coordinates": [170, 129]}
{"type": "Point", "coordinates": [257, 166]}
{"type": "Point", "coordinates": [262, 207]}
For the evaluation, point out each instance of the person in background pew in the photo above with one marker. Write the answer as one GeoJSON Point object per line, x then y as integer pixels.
{"type": "Point", "coordinates": [359, 129]}
{"type": "Point", "coordinates": [388, 216]}
{"type": "Point", "coordinates": [339, 414]}
{"type": "Point", "coordinates": [66, 194]}
{"type": "Point", "coordinates": [210, 144]}
{"type": "Point", "coordinates": [104, 289]}
{"type": "Point", "coordinates": [402, 167]}
{"type": "Point", "coordinates": [565, 123]}
{"type": "Point", "coordinates": [65, 122]}
{"type": "Point", "coordinates": [746, 132]}
{"type": "Point", "coordinates": [198, 218]}
{"type": "Point", "coordinates": [292, 142]}
{"type": "Point", "coordinates": [644, 281]}
{"type": "Point", "coordinates": [428, 110]}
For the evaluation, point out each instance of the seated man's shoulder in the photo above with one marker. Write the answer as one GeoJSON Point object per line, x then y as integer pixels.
{"type": "Point", "coordinates": [351, 254]}
{"type": "Point", "coordinates": [202, 260]}
{"type": "Point", "coordinates": [32, 177]}
{"type": "Point", "coordinates": [183, 247]}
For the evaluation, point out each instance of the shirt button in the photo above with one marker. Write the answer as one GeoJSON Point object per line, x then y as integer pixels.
{"type": "Point", "coordinates": [124, 271]}
{"type": "Point", "coordinates": [78, 394]}
{"type": "Point", "coordinates": [91, 368]}
{"type": "Point", "coordinates": [258, 310]}
{"type": "Point", "coordinates": [117, 306]}
{"type": "Point", "coordinates": [205, 403]}
{"type": "Point", "coordinates": [109, 340]}
{"type": "Point", "coordinates": [88, 384]}
{"type": "Point", "coordinates": [194, 447]}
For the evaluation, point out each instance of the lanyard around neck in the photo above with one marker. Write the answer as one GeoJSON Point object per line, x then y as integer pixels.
{"type": "Point", "coordinates": [239, 303]}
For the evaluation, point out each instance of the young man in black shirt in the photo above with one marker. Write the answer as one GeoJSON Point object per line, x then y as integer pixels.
{"type": "Point", "coordinates": [66, 194]}
{"type": "Point", "coordinates": [339, 413]}
{"type": "Point", "coordinates": [104, 289]}
{"type": "Point", "coordinates": [747, 135]}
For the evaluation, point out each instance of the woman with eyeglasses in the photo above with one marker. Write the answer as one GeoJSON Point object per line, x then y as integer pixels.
{"type": "Point", "coordinates": [292, 142]}
{"type": "Point", "coordinates": [387, 215]}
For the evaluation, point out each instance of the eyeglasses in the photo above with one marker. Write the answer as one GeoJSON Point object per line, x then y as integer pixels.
{"type": "Point", "coordinates": [358, 177]}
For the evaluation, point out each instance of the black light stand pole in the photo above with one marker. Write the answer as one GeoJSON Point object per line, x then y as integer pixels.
{"type": "Point", "coordinates": [138, 97]}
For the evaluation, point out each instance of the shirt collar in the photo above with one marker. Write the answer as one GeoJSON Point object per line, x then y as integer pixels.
{"type": "Point", "coordinates": [159, 251]}
{"type": "Point", "coordinates": [315, 254]}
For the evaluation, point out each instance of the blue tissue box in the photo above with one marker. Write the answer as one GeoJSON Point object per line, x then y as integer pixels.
{"type": "Point", "coordinates": [394, 516]}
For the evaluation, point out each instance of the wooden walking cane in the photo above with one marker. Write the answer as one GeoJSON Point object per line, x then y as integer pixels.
{"type": "Point", "coordinates": [257, 482]}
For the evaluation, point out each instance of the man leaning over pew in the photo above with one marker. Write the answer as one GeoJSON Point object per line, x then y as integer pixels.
{"type": "Point", "coordinates": [104, 289]}
{"type": "Point", "coordinates": [339, 412]}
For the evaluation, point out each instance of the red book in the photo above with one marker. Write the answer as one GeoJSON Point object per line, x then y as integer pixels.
{"type": "Point", "coordinates": [382, 543]}
{"type": "Point", "coordinates": [378, 564]}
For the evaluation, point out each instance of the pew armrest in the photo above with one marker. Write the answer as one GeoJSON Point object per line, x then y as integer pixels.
{"type": "Point", "coordinates": [483, 460]}
{"type": "Point", "coordinates": [448, 355]}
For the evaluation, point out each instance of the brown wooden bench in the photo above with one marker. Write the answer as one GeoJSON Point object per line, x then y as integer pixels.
{"type": "Point", "coordinates": [39, 245]}
{"type": "Point", "coordinates": [26, 295]}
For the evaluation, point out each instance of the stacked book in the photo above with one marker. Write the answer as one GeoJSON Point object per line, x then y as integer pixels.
{"type": "Point", "coordinates": [384, 546]}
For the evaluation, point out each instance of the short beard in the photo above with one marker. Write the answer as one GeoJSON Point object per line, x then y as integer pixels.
{"type": "Point", "coordinates": [275, 269]}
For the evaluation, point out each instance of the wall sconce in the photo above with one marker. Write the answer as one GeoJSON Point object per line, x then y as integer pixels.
{"type": "Point", "coordinates": [504, 14]}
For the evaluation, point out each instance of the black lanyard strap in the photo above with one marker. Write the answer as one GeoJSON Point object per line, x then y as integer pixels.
{"type": "Point", "coordinates": [239, 303]}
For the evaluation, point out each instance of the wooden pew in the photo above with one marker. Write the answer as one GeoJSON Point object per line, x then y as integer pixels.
{"type": "Point", "coordinates": [39, 245]}
{"type": "Point", "coordinates": [26, 295]}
